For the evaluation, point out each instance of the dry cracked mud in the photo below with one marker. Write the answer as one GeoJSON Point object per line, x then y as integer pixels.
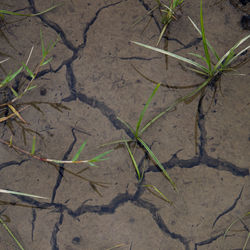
{"type": "Point", "coordinates": [91, 73]}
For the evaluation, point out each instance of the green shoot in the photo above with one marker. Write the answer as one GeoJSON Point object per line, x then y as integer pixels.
{"type": "Point", "coordinates": [137, 138]}
{"type": "Point", "coordinates": [11, 234]}
{"type": "Point", "coordinates": [162, 196]}
{"type": "Point", "coordinates": [33, 145]}
{"type": "Point", "coordinates": [134, 161]}
{"type": "Point", "coordinates": [155, 159]}
{"type": "Point", "coordinates": [144, 110]}
{"type": "Point", "coordinates": [79, 151]}
{"type": "Point", "coordinates": [205, 41]}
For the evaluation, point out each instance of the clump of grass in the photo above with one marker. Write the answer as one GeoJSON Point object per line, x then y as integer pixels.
{"type": "Point", "coordinates": [137, 140]}
{"type": "Point", "coordinates": [211, 72]}
{"type": "Point", "coordinates": [11, 107]}
{"type": "Point", "coordinates": [167, 13]}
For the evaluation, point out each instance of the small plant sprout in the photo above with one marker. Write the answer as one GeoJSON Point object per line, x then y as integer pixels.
{"type": "Point", "coordinates": [211, 72]}
{"type": "Point", "coordinates": [167, 13]}
{"type": "Point", "coordinates": [137, 132]}
{"type": "Point", "coordinates": [92, 162]}
{"type": "Point", "coordinates": [6, 82]}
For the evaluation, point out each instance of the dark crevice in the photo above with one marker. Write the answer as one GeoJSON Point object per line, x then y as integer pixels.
{"type": "Point", "coordinates": [53, 26]}
{"type": "Point", "coordinates": [194, 42]}
{"type": "Point", "coordinates": [230, 208]}
{"type": "Point", "coordinates": [11, 163]}
{"type": "Point", "coordinates": [114, 204]}
{"type": "Point", "coordinates": [53, 240]}
{"type": "Point", "coordinates": [160, 222]}
{"type": "Point", "coordinates": [61, 168]}
{"type": "Point", "coordinates": [33, 223]}
{"type": "Point", "coordinates": [106, 111]}
{"type": "Point", "coordinates": [88, 25]}
{"type": "Point", "coordinates": [208, 241]}
{"type": "Point", "coordinates": [147, 8]}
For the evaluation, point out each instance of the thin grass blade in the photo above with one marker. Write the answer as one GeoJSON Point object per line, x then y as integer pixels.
{"type": "Point", "coordinates": [22, 194]}
{"type": "Point", "coordinates": [33, 149]}
{"type": "Point", "coordinates": [134, 161]}
{"type": "Point", "coordinates": [145, 108]}
{"type": "Point", "coordinates": [100, 156]}
{"type": "Point", "coordinates": [162, 196]}
{"type": "Point", "coordinates": [154, 158]}
{"type": "Point", "coordinates": [127, 125]}
{"type": "Point", "coordinates": [11, 234]}
{"type": "Point", "coordinates": [76, 156]}
{"type": "Point", "coordinates": [208, 43]}
{"type": "Point", "coordinates": [181, 58]}
{"type": "Point", "coordinates": [16, 113]}
{"type": "Point", "coordinates": [229, 51]}
{"type": "Point", "coordinates": [117, 142]}
{"type": "Point", "coordinates": [235, 57]}
{"type": "Point", "coordinates": [29, 71]}
{"type": "Point", "coordinates": [205, 46]}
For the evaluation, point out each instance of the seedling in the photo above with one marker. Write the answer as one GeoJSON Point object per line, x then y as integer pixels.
{"type": "Point", "coordinates": [211, 72]}
{"type": "Point", "coordinates": [167, 13]}
{"type": "Point", "coordinates": [92, 162]}
{"type": "Point", "coordinates": [137, 132]}
{"type": "Point", "coordinates": [10, 109]}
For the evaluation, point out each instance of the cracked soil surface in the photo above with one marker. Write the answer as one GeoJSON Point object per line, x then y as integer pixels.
{"type": "Point", "coordinates": [91, 73]}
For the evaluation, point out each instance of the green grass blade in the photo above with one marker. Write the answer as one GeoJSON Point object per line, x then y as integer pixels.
{"type": "Point", "coordinates": [134, 161]}
{"type": "Point", "coordinates": [173, 105]}
{"type": "Point", "coordinates": [14, 92]}
{"type": "Point", "coordinates": [47, 61]}
{"type": "Point", "coordinates": [198, 56]}
{"type": "Point", "coordinates": [144, 109]}
{"type": "Point", "coordinates": [205, 46]}
{"type": "Point", "coordinates": [76, 156]}
{"type": "Point", "coordinates": [42, 44]}
{"type": "Point", "coordinates": [208, 43]}
{"type": "Point", "coordinates": [235, 57]}
{"type": "Point", "coordinates": [22, 194]}
{"type": "Point", "coordinates": [10, 77]}
{"type": "Point", "coordinates": [11, 234]}
{"type": "Point", "coordinates": [100, 157]}
{"type": "Point", "coordinates": [162, 33]}
{"type": "Point", "coordinates": [162, 196]}
{"type": "Point", "coordinates": [127, 125]}
{"type": "Point", "coordinates": [181, 58]}
{"type": "Point", "coordinates": [245, 245]}
{"type": "Point", "coordinates": [29, 71]}
{"type": "Point", "coordinates": [33, 149]}
{"type": "Point", "coordinates": [154, 158]}
{"type": "Point", "coordinates": [117, 142]}
{"type": "Point", "coordinates": [230, 51]}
